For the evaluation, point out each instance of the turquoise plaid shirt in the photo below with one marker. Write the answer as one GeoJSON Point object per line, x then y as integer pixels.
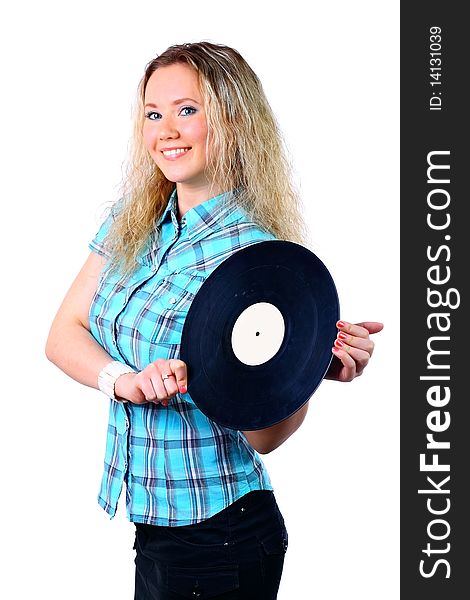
{"type": "Point", "coordinates": [179, 466]}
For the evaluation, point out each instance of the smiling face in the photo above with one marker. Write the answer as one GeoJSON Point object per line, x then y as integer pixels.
{"type": "Point", "coordinates": [175, 128]}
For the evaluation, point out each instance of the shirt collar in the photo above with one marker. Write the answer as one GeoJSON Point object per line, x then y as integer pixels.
{"type": "Point", "coordinates": [211, 215]}
{"type": "Point", "coordinates": [171, 209]}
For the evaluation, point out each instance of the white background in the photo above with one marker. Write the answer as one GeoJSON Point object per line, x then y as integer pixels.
{"type": "Point", "coordinates": [69, 76]}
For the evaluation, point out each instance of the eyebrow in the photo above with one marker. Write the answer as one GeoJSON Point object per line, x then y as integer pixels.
{"type": "Point", "coordinates": [175, 102]}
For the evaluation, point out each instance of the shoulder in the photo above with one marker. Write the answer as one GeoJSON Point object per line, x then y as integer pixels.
{"type": "Point", "coordinates": [98, 243]}
{"type": "Point", "coordinates": [218, 245]}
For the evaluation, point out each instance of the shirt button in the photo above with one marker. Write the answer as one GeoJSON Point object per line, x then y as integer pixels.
{"type": "Point", "coordinates": [172, 300]}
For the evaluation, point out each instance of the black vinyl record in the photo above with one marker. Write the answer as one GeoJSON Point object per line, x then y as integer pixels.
{"type": "Point", "coordinates": [258, 336]}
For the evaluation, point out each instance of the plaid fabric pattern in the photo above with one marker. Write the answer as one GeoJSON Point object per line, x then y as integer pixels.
{"type": "Point", "coordinates": [179, 466]}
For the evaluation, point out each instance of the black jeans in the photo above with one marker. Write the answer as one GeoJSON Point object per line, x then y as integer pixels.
{"type": "Point", "coordinates": [238, 554]}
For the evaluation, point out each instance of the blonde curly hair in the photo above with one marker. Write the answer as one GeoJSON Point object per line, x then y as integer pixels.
{"type": "Point", "coordinates": [245, 154]}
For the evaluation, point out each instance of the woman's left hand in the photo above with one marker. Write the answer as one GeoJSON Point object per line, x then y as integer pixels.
{"type": "Point", "coordinates": [352, 350]}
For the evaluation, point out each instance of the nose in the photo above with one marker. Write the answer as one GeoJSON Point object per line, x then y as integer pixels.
{"type": "Point", "coordinates": [167, 129]}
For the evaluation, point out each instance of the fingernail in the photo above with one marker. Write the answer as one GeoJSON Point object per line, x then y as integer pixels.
{"type": "Point", "coordinates": [339, 343]}
{"type": "Point", "coordinates": [165, 402]}
{"type": "Point", "coordinates": [341, 324]}
{"type": "Point", "coordinates": [335, 349]}
{"type": "Point", "coordinates": [183, 389]}
{"type": "Point", "coordinates": [342, 335]}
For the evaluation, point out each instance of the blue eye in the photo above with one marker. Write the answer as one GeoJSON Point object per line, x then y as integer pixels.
{"type": "Point", "coordinates": [187, 110]}
{"type": "Point", "coordinates": [152, 115]}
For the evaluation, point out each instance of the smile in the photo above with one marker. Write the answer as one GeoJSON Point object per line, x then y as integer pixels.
{"type": "Point", "coordinates": [175, 152]}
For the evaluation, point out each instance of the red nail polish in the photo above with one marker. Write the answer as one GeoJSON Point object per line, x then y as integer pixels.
{"type": "Point", "coordinates": [341, 324]}
{"type": "Point", "coordinates": [335, 349]}
{"type": "Point", "coordinates": [183, 389]}
{"type": "Point", "coordinates": [342, 335]}
{"type": "Point", "coordinates": [339, 343]}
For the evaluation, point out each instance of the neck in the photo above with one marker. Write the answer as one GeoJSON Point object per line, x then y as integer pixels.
{"type": "Point", "coordinates": [188, 198]}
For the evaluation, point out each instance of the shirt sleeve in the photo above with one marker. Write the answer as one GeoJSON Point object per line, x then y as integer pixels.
{"type": "Point", "coordinates": [98, 243]}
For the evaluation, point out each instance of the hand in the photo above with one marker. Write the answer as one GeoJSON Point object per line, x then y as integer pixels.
{"type": "Point", "coordinates": [158, 382]}
{"type": "Point", "coordinates": [352, 350]}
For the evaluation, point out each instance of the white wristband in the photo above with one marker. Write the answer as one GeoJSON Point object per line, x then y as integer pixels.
{"type": "Point", "coordinates": [108, 376]}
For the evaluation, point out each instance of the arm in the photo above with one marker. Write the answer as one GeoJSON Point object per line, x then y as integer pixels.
{"type": "Point", "coordinates": [267, 440]}
{"type": "Point", "coordinates": [70, 345]}
{"type": "Point", "coordinates": [75, 351]}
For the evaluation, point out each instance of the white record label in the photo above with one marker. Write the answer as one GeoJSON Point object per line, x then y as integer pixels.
{"type": "Point", "coordinates": [258, 333]}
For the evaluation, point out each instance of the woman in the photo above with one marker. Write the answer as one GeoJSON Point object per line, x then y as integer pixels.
{"type": "Point", "coordinates": [208, 176]}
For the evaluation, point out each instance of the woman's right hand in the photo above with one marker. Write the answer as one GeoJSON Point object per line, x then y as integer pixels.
{"type": "Point", "coordinates": [159, 382]}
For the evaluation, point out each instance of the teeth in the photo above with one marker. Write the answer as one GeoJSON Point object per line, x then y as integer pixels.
{"type": "Point", "coordinates": [175, 152]}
